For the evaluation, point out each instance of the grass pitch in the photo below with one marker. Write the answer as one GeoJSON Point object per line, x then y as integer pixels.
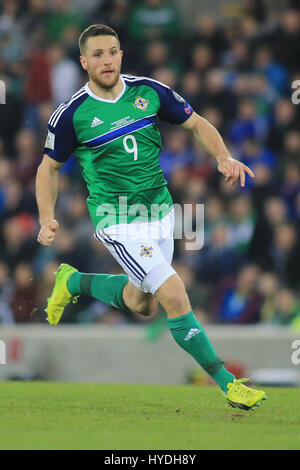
{"type": "Point", "coordinates": [44, 415]}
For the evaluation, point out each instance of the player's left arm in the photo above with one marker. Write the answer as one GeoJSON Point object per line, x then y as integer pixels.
{"type": "Point", "coordinates": [210, 139]}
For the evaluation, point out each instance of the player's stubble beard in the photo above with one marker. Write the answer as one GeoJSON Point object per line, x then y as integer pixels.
{"type": "Point", "coordinates": [102, 84]}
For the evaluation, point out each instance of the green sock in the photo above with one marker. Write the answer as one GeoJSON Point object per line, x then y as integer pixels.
{"type": "Point", "coordinates": [190, 335]}
{"type": "Point", "coordinates": [105, 287]}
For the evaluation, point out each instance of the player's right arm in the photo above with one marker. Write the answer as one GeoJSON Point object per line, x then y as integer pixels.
{"type": "Point", "coordinates": [46, 195]}
{"type": "Point", "coordinates": [176, 110]}
{"type": "Point", "coordinates": [60, 143]}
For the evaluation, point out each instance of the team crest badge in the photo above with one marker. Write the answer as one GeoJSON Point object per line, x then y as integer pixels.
{"type": "Point", "coordinates": [141, 103]}
{"type": "Point", "coordinates": [146, 251]}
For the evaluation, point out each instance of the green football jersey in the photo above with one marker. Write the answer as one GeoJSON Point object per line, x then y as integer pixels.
{"type": "Point", "coordinates": [117, 144]}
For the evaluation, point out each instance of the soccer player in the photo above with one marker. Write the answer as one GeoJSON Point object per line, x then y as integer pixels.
{"type": "Point", "coordinates": [109, 125]}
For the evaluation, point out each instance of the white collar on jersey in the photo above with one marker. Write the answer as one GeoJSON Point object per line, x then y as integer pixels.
{"type": "Point", "coordinates": [89, 91]}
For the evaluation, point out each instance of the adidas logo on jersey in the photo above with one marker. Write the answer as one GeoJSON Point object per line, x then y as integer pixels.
{"type": "Point", "coordinates": [96, 122]}
{"type": "Point", "coordinates": [191, 333]}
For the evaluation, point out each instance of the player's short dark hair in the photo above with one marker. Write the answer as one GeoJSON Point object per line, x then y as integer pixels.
{"type": "Point", "coordinates": [95, 30]}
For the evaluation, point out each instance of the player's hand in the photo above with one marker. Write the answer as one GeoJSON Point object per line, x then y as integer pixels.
{"type": "Point", "coordinates": [47, 233]}
{"type": "Point", "coordinates": [233, 170]}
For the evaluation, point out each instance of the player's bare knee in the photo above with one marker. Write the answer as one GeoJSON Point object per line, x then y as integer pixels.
{"type": "Point", "coordinates": [172, 294]}
{"type": "Point", "coordinates": [175, 301]}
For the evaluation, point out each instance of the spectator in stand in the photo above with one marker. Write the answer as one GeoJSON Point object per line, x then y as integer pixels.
{"type": "Point", "coordinates": [207, 31]}
{"type": "Point", "coordinates": [297, 215]}
{"type": "Point", "coordinates": [6, 170]}
{"type": "Point", "coordinates": [10, 13]}
{"type": "Point", "coordinates": [274, 214]}
{"type": "Point", "coordinates": [24, 300]}
{"type": "Point", "coordinates": [247, 125]}
{"type": "Point", "coordinates": [112, 12]}
{"type": "Point", "coordinates": [65, 76]}
{"type": "Point", "coordinates": [240, 85]}
{"type": "Point", "coordinates": [2, 151]}
{"type": "Point", "coordinates": [284, 255]}
{"type": "Point", "coordinates": [91, 9]}
{"type": "Point", "coordinates": [218, 259]}
{"type": "Point", "coordinates": [241, 222]}
{"type": "Point", "coordinates": [11, 37]}
{"type": "Point", "coordinates": [214, 214]}
{"type": "Point", "coordinates": [6, 294]}
{"type": "Point", "coordinates": [13, 198]}
{"type": "Point", "coordinates": [290, 186]}
{"type": "Point", "coordinates": [154, 20]}
{"type": "Point", "coordinates": [34, 22]}
{"type": "Point", "coordinates": [192, 90]}
{"type": "Point", "coordinates": [268, 285]}
{"type": "Point", "coordinates": [157, 55]}
{"type": "Point", "coordinates": [10, 116]}
{"type": "Point", "coordinates": [178, 153]}
{"type": "Point", "coordinates": [202, 59]}
{"type": "Point", "coordinates": [264, 96]}
{"type": "Point", "coordinates": [251, 32]}
{"type": "Point", "coordinates": [37, 89]}
{"type": "Point", "coordinates": [275, 72]}
{"type": "Point", "coordinates": [76, 218]}
{"type": "Point", "coordinates": [285, 120]}
{"type": "Point", "coordinates": [291, 150]}
{"type": "Point", "coordinates": [166, 75]}
{"type": "Point", "coordinates": [236, 59]}
{"type": "Point", "coordinates": [18, 245]}
{"type": "Point", "coordinates": [27, 156]}
{"type": "Point", "coordinates": [239, 300]}
{"type": "Point", "coordinates": [275, 211]}
{"type": "Point", "coordinates": [218, 96]}
{"type": "Point", "coordinates": [286, 308]}
{"type": "Point", "coordinates": [63, 19]}
{"type": "Point", "coordinates": [257, 9]}
{"type": "Point", "coordinates": [18, 201]}
{"type": "Point", "coordinates": [286, 41]}
{"type": "Point", "coordinates": [265, 186]}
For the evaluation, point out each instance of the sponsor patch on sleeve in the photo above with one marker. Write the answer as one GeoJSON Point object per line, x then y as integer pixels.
{"type": "Point", "coordinates": [50, 141]}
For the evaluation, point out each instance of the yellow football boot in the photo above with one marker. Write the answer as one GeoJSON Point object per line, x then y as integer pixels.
{"type": "Point", "coordinates": [240, 396]}
{"type": "Point", "coordinates": [60, 295]}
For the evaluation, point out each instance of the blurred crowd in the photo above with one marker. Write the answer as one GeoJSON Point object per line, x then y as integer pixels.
{"type": "Point", "coordinates": [237, 74]}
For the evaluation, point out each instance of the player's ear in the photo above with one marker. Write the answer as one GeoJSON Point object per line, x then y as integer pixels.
{"type": "Point", "coordinates": [83, 62]}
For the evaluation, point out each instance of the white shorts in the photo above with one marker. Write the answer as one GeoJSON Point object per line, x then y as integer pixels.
{"type": "Point", "coordinates": [144, 250]}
